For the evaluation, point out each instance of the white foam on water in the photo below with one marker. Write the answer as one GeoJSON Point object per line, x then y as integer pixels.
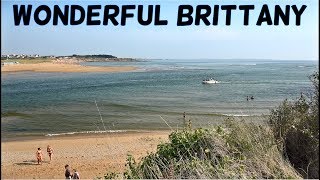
{"type": "Point", "coordinates": [86, 132]}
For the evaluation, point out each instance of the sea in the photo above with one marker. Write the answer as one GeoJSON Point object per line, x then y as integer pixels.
{"type": "Point", "coordinates": [153, 97]}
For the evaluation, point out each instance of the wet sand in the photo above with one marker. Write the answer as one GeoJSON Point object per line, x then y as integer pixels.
{"type": "Point", "coordinates": [92, 156]}
{"type": "Point", "coordinates": [61, 67]}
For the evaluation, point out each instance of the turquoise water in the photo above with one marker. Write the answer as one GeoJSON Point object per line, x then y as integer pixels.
{"type": "Point", "coordinates": [37, 104]}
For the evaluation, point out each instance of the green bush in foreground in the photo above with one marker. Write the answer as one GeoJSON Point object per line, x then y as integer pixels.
{"type": "Point", "coordinates": [296, 128]}
{"type": "Point", "coordinates": [235, 150]}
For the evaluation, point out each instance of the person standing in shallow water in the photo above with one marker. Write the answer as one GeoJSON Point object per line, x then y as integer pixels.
{"type": "Point", "coordinates": [39, 155]}
{"type": "Point", "coordinates": [49, 151]}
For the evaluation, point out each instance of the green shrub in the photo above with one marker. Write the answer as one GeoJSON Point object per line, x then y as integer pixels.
{"type": "Point", "coordinates": [111, 175]}
{"type": "Point", "coordinates": [296, 128]}
{"type": "Point", "coordinates": [234, 150]}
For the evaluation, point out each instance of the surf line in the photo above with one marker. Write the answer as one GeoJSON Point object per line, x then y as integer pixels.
{"type": "Point", "coordinates": [187, 15]}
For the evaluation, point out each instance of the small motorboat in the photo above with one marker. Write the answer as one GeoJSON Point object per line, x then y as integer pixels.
{"type": "Point", "coordinates": [210, 81]}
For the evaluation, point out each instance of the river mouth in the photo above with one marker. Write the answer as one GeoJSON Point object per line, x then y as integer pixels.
{"type": "Point", "coordinates": [37, 104]}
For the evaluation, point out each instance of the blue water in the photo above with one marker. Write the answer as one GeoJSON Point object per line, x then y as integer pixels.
{"type": "Point", "coordinates": [36, 104]}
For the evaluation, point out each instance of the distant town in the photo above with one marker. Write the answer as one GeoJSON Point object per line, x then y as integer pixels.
{"type": "Point", "coordinates": [23, 56]}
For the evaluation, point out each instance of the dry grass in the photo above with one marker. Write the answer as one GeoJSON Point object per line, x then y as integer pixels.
{"type": "Point", "coordinates": [234, 150]}
{"type": "Point", "coordinates": [296, 128]}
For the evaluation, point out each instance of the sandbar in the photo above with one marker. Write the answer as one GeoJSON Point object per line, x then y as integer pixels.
{"type": "Point", "coordinates": [60, 67]}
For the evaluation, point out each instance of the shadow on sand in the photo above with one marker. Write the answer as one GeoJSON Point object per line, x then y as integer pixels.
{"type": "Point", "coordinates": [29, 162]}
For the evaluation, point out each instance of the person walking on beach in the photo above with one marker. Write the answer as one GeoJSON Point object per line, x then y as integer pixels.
{"type": "Point", "coordinates": [75, 174]}
{"type": "Point", "coordinates": [39, 156]}
{"type": "Point", "coordinates": [49, 151]}
{"type": "Point", "coordinates": [67, 174]}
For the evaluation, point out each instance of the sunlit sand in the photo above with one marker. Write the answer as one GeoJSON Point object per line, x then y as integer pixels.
{"type": "Point", "coordinates": [55, 67]}
{"type": "Point", "coordinates": [92, 155]}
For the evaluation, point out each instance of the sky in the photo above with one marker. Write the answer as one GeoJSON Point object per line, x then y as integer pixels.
{"type": "Point", "coordinates": [168, 42]}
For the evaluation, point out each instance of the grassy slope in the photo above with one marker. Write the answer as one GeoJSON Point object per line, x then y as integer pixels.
{"type": "Point", "coordinates": [233, 150]}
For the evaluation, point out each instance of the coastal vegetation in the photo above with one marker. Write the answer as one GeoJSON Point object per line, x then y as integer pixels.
{"type": "Point", "coordinates": [233, 150]}
{"type": "Point", "coordinates": [296, 129]}
{"type": "Point", "coordinates": [287, 146]}
{"type": "Point", "coordinates": [94, 56]}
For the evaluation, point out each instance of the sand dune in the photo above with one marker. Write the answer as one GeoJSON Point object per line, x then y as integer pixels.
{"type": "Point", "coordinates": [91, 155]}
{"type": "Point", "coordinates": [56, 67]}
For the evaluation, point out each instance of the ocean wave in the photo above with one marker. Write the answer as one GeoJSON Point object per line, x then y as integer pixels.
{"type": "Point", "coordinates": [86, 132]}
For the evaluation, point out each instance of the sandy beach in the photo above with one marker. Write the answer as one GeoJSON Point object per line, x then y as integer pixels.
{"type": "Point", "coordinates": [92, 156]}
{"type": "Point", "coordinates": [62, 67]}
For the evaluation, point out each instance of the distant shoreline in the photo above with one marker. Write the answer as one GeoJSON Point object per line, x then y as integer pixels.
{"type": "Point", "coordinates": [61, 66]}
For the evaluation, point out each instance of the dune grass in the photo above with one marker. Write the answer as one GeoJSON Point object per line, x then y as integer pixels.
{"type": "Point", "coordinates": [296, 129]}
{"type": "Point", "coordinates": [233, 150]}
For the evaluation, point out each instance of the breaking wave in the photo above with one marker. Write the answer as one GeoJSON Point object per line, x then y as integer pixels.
{"type": "Point", "coordinates": [86, 132]}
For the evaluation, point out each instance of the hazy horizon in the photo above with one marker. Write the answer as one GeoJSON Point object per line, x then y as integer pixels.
{"type": "Point", "coordinates": [237, 59]}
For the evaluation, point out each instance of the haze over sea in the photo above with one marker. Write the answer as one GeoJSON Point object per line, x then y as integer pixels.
{"type": "Point", "coordinates": [38, 104]}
